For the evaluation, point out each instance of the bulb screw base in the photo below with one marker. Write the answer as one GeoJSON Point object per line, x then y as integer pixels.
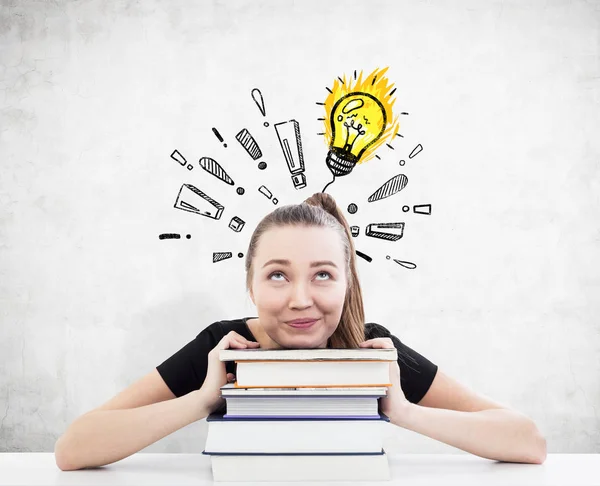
{"type": "Point", "coordinates": [340, 161]}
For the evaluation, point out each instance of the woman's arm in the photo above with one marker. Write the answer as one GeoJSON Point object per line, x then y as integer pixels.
{"type": "Point", "coordinates": [456, 415]}
{"type": "Point", "coordinates": [499, 434]}
{"type": "Point", "coordinates": [102, 437]}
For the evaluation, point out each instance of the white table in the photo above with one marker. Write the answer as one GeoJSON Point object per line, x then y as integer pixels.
{"type": "Point", "coordinates": [145, 469]}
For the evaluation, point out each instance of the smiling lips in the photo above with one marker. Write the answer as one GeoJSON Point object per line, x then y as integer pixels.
{"type": "Point", "coordinates": [302, 323]}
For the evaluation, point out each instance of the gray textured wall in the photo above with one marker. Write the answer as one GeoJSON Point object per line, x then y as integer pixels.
{"type": "Point", "coordinates": [95, 95]}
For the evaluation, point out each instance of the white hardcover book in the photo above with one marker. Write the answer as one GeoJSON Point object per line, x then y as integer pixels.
{"type": "Point", "coordinates": [312, 354]}
{"type": "Point", "coordinates": [350, 402]}
{"type": "Point", "coordinates": [329, 374]}
{"type": "Point", "coordinates": [282, 468]}
{"type": "Point", "coordinates": [293, 436]}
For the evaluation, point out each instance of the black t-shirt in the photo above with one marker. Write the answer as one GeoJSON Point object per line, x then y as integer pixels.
{"type": "Point", "coordinates": [186, 369]}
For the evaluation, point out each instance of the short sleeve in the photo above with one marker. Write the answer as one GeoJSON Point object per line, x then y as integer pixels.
{"type": "Point", "coordinates": [185, 371]}
{"type": "Point", "coordinates": [416, 371]}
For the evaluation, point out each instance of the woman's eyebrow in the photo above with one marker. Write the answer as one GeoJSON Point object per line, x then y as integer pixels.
{"type": "Point", "coordinates": [279, 261]}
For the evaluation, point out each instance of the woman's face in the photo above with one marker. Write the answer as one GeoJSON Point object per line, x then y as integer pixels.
{"type": "Point", "coordinates": [299, 273]}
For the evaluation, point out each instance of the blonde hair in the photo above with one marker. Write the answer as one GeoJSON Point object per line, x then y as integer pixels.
{"type": "Point", "coordinates": [321, 210]}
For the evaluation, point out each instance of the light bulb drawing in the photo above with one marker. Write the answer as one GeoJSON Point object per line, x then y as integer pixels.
{"type": "Point", "coordinates": [358, 120]}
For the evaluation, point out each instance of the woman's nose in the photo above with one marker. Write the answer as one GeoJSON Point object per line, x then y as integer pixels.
{"type": "Point", "coordinates": [300, 296]}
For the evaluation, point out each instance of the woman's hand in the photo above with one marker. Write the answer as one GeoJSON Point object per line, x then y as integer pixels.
{"type": "Point", "coordinates": [216, 374]}
{"type": "Point", "coordinates": [394, 403]}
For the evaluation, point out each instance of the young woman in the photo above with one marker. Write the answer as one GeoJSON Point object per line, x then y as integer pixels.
{"type": "Point", "coordinates": [301, 276]}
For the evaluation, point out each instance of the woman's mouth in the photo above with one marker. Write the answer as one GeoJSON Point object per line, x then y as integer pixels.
{"type": "Point", "coordinates": [302, 323]}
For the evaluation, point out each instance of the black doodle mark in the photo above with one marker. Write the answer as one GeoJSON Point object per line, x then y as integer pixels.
{"type": "Point", "coordinates": [402, 162]}
{"type": "Point", "coordinates": [352, 208]}
{"type": "Point", "coordinates": [389, 146]}
{"type": "Point", "coordinates": [260, 102]}
{"type": "Point", "coordinates": [422, 209]}
{"type": "Point", "coordinates": [328, 89]}
{"type": "Point", "coordinates": [405, 208]}
{"type": "Point", "coordinates": [240, 191]}
{"type": "Point", "coordinates": [169, 236]}
{"type": "Point", "coordinates": [220, 256]}
{"type": "Point", "coordinates": [247, 141]}
{"type": "Point", "coordinates": [262, 165]}
{"type": "Point", "coordinates": [218, 135]}
{"type": "Point", "coordinates": [292, 151]}
{"type": "Point", "coordinates": [237, 224]}
{"type": "Point", "coordinates": [391, 187]}
{"type": "Point", "coordinates": [212, 167]}
{"type": "Point", "coordinates": [192, 199]}
{"type": "Point", "coordinates": [240, 255]}
{"type": "Point", "coordinates": [373, 230]}
{"type": "Point", "coordinates": [409, 265]}
{"type": "Point", "coordinates": [177, 157]}
{"type": "Point", "coordinates": [377, 156]}
{"type": "Point", "coordinates": [362, 255]}
{"type": "Point", "coordinates": [404, 113]}
{"type": "Point", "coordinates": [188, 236]}
{"type": "Point", "coordinates": [265, 192]}
{"type": "Point", "coordinates": [354, 230]}
{"type": "Point", "coordinates": [416, 151]}
{"type": "Point", "coordinates": [399, 135]}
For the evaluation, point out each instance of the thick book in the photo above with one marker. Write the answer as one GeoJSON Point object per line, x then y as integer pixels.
{"type": "Point", "coordinates": [359, 403]}
{"type": "Point", "coordinates": [298, 435]}
{"type": "Point", "coordinates": [301, 467]}
{"type": "Point", "coordinates": [328, 368]}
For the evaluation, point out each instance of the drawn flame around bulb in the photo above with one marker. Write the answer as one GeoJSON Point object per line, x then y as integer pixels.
{"type": "Point", "coordinates": [358, 120]}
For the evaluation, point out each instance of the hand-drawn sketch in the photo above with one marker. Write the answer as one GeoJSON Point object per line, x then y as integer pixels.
{"type": "Point", "coordinates": [218, 135]}
{"type": "Point", "coordinates": [286, 131]}
{"type": "Point", "coordinates": [364, 256]}
{"type": "Point", "coordinates": [260, 102]}
{"type": "Point", "coordinates": [391, 187]}
{"type": "Point", "coordinates": [176, 155]}
{"type": "Point", "coordinates": [405, 264]}
{"type": "Point", "coordinates": [236, 224]}
{"type": "Point", "coordinates": [247, 141]}
{"type": "Point", "coordinates": [192, 199]}
{"type": "Point", "coordinates": [416, 151]}
{"type": "Point", "coordinates": [373, 230]}
{"type": "Point", "coordinates": [220, 256]}
{"type": "Point", "coordinates": [214, 168]}
{"type": "Point", "coordinates": [422, 209]}
{"type": "Point", "coordinates": [358, 120]}
{"type": "Point", "coordinates": [265, 192]}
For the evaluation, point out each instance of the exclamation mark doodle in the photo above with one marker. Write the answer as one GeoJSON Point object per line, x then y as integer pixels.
{"type": "Point", "coordinates": [218, 135]}
{"type": "Point", "coordinates": [258, 99]}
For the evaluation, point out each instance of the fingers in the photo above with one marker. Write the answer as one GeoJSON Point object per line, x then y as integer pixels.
{"type": "Point", "coordinates": [235, 341]}
{"type": "Point", "coordinates": [230, 377]}
{"type": "Point", "coordinates": [377, 343]}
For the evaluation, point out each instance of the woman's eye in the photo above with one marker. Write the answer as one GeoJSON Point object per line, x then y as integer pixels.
{"type": "Point", "coordinates": [324, 273]}
{"type": "Point", "coordinates": [275, 273]}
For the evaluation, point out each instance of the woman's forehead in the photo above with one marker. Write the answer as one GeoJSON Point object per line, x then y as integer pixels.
{"type": "Point", "coordinates": [300, 244]}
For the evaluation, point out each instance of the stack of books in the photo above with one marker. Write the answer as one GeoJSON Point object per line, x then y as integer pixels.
{"type": "Point", "coordinates": [302, 415]}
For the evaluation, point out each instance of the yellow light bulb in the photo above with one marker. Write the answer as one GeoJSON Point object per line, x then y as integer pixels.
{"type": "Point", "coordinates": [358, 120]}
